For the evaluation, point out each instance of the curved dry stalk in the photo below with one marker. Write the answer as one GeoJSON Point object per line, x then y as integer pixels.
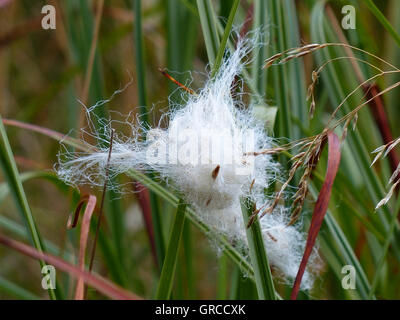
{"type": "Point", "coordinates": [297, 52]}
{"type": "Point", "coordinates": [354, 91]}
{"type": "Point", "coordinates": [315, 76]}
{"type": "Point", "coordinates": [310, 148]}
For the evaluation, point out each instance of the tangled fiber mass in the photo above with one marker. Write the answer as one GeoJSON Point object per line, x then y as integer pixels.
{"type": "Point", "coordinates": [207, 154]}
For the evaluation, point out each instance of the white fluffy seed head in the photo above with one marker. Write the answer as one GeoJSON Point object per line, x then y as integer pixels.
{"type": "Point", "coordinates": [206, 153]}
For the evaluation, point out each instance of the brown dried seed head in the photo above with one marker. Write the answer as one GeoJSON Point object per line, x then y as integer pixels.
{"type": "Point", "coordinates": [297, 156]}
{"type": "Point", "coordinates": [252, 184]}
{"type": "Point", "coordinates": [272, 59]}
{"type": "Point", "coordinates": [299, 55]}
{"type": "Point", "coordinates": [283, 61]}
{"type": "Point", "coordinates": [215, 172]}
{"type": "Point", "coordinates": [272, 238]}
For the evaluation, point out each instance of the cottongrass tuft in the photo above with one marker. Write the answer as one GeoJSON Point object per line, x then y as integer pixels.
{"type": "Point", "coordinates": [211, 152]}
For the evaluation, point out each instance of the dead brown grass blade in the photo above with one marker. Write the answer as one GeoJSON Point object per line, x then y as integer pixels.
{"type": "Point", "coordinates": [168, 76]}
{"type": "Point", "coordinates": [320, 208]}
{"type": "Point", "coordinates": [90, 201]}
{"type": "Point", "coordinates": [101, 284]}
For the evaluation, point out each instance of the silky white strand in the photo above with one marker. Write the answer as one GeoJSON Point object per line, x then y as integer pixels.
{"type": "Point", "coordinates": [212, 178]}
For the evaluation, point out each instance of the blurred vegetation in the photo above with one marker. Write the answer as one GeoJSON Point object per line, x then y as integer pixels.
{"type": "Point", "coordinates": [43, 73]}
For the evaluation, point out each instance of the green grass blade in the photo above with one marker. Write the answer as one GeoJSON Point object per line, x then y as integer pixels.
{"type": "Point", "coordinates": [382, 19]}
{"type": "Point", "coordinates": [278, 74]}
{"type": "Point", "coordinates": [343, 249]}
{"type": "Point", "coordinates": [181, 49]}
{"type": "Point", "coordinates": [224, 40]}
{"type": "Point", "coordinates": [168, 271]}
{"type": "Point", "coordinates": [349, 256]}
{"type": "Point", "coordinates": [81, 25]}
{"type": "Point", "coordinates": [336, 84]}
{"type": "Point", "coordinates": [295, 69]}
{"type": "Point", "coordinates": [384, 250]}
{"type": "Point", "coordinates": [16, 291]}
{"type": "Point", "coordinates": [80, 22]}
{"type": "Point", "coordinates": [258, 74]}
{"type": "Point", "coordinates": [258, 255]}
{"type": "Point", "coordinates": [168, 196]}
{"type": "Point", "coordinates": [141, 80]}
{"type": "Point", "coordinates": [20, 231]}
{"type": "Point", "coordinates": [209, 26]}
{"type": "Point", "coordinates": [222, 278]}
{"type": "Point", "coordinates": [139, 59]}
{"type": "Point", "coordinates": [10, 171]}
{"type": "Point", "coordinates": [189, 260]}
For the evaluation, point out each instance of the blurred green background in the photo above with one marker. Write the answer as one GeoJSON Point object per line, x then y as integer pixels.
{"type": "Point", "coordinates": [43, 73]}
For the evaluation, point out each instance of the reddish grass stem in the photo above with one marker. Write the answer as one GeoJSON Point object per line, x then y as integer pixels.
{"type": "Point", "coordinates": [93, 253]}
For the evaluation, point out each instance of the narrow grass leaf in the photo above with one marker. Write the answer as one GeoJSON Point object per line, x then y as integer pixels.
{"type": "Point", "coordinates": [90, 201]}
{"type": "Point", "coordinates": [258, 255]}
{"type": "Point", "coordinates": [143, 197]}
{"type": "Point", "coordinates": [224, 40]}
{"type": "Point", "coordinates": [209, 27]}
{"type": "Point", "coordinates": [141, 80]}
{"type": "Point", "coordinates": [320, 208]}
{"type": "Point", "coordinates": [16, 291]}
{"type": "Point", "coordinates": [168, 196]}
{"type": "Point", "coordinates": [102, 285]}
{"type": "Point", "coordinates": [384, 252]}
{"type": "Point", "coordinates": [382, 19]}
{"type": "Point", "coordinates": [11, 173]}
{"type": "Point", "coordinates": [168, 271]}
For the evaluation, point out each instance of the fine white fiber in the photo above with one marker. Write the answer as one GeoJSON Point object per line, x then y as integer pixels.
{"type": "Point", "coordinates": [207, 154]}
